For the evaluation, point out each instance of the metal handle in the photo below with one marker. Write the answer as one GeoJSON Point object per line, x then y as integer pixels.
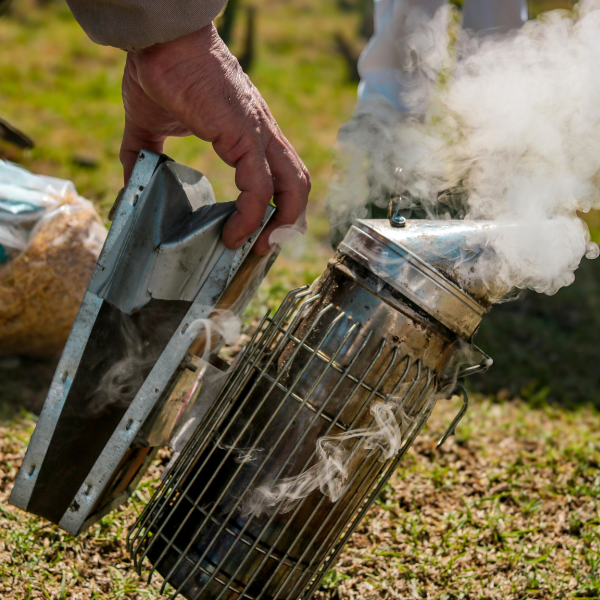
{"type": "Point", "coordinates": [485, 363]}
{"type": "Point", "coordinates": [461, 413]}
{"type": "Point", "coordinates": [482, 367]}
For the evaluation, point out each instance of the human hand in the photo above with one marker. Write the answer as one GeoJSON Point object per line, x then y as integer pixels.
{"type": "Point", "coordinates": [194, 86]}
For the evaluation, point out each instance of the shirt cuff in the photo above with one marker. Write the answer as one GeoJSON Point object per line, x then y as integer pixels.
{"type": "Point", "coordinates": [137, 24]}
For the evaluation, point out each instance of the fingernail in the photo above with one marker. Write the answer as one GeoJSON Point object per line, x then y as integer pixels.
{"type": "Point", "coordinates": [241, 242]}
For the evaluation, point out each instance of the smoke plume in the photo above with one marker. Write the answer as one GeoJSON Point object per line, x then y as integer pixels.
{"type": "Point", "coordinates": [337, 457]}
{"type": "Point", "coordinates": [121, 381]}
{"type": "Point", "coordinates": [123, 378]}
{"type": "Point", "coordinates": [503, 128]}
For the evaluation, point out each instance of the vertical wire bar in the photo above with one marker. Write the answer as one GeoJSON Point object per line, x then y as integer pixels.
{"type": "Point", "coordinates": [421, 420]}
{"type": "Point", "coordinates": [240, 435]}
{"type": "Point", "coordinates": [264, 430]}
{"type": "Point", "coordinates": [280, 344]}
{"type": "Point", "coordinates": [334, 527]}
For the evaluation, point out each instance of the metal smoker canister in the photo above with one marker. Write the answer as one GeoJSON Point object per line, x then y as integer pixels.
{"type": "Point", "coordinates": [381, 324]}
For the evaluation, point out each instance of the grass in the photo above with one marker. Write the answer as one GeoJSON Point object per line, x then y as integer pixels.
{"type": "Point", "coordinates": [64, 91]}
{"type": "Point", "coordinates": [37, 560]}
{"type": "Point", "coordinates": [507, 509]}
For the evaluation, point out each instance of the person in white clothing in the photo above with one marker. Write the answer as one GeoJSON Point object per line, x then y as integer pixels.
{"type": "Point", "coordinates": [381, 64]}
{"type": "Point", "coordinates": [394, 85]}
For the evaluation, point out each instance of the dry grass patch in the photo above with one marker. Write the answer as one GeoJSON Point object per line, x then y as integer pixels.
{"type": "Point", "coordinates": [507, 509]}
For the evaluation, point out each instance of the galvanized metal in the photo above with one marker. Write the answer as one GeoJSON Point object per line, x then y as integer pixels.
{"type": "Point", "coordinates": [71, 356]}
{"type": "Point", "coordinates": [456, 249]}
{"type": "Point", "coordinates": [388, 252]}
{"type": "Point", "coordinates": [313, 370]}
{"type": "Point", "coordinates": [172, 244]}
{"type": "Point", "coordinates": [160, 271]}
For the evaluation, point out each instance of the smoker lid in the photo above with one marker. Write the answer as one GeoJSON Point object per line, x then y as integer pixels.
{"type": "Point", "coordinates": [433, 263]}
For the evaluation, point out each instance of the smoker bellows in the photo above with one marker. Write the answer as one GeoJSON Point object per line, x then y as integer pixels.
{"type": "Point", "coordinates": [288, 450]}
{"type": "Point", "coordinates": [118, 383]}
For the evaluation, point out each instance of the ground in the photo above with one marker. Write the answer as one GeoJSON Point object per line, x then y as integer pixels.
{"type": "Point", "coordinates": [507, 509]}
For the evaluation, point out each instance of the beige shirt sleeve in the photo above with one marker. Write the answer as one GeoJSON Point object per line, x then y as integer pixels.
{"type": "Point", "coordinates": [136, 24]}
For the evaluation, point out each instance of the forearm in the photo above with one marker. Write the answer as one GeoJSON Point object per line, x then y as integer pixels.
{"type": "Point", "coordinates": [136, 24]}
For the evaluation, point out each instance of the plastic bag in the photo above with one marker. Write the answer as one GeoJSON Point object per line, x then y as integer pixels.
{"type": "Point", "coordinates": [50, 239]}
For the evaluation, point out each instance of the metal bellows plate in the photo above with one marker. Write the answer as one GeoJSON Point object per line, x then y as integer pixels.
{"type": "Point", "coordinates": [163, 266]}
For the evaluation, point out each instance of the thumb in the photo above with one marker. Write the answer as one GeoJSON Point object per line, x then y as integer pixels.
{"type": "Point", "coordinates": [134, 140]}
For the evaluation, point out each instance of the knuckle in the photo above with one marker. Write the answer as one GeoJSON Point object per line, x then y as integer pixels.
{"type": "Point", "coordinates": [263, 191]}
{"type": "Point", "coordinates": [246, 144]}
{"type": "Point", "coordinates": [269, 189]}
{"type": "Point", "coordinates": [303, 182]}
{"type": "Point", "coordinates": [124, 155]}
{"type": "Point", "coordinates": [253, 220]}
{"type": "Point", "coordinates": [306, 179]}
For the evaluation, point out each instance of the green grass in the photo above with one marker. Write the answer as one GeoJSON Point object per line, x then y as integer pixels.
{"type": "Point", "coordinates": [37, 560]}
{"type": "Point", "coordinates": [64, 91]}
{"type": "Point", "coordinates": [510, 510]}
{"type": "Point", "coordinates": [507, 509]}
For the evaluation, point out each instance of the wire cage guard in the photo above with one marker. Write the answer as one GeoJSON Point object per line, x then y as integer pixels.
{"type": "Point", "coordinates": [314, 369]}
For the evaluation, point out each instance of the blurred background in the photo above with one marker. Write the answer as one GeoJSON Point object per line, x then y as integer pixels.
{"type": "Point", "coordinates": [63, 92]}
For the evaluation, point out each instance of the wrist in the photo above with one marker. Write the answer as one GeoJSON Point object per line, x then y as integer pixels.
{"type": "Point", "coordinates": [204, 38]}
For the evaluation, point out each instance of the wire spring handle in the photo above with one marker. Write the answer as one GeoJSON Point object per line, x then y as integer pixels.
{"type": "Point", "coordinates": [484, 365]}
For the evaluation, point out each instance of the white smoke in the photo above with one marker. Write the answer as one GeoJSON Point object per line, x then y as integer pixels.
{"type": "Point", "coordinates": [243, 456]}
{"type": "Point", "coordinates": [337, 457]}
{"type": "Point", "coordinates": [222, 324]}
{"type": "Point", "coordinates": [515, 124]}
{"type": "Point", "coordinates": [121, 381]}
{"type": "Point", "coordinates": [125, 376]}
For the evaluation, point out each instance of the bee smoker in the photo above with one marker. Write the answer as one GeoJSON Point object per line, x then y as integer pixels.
{"type": "Point", "coordinates": [384, 324]}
